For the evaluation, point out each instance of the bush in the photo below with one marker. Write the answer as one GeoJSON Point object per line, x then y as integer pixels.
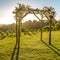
{"type": "Point", "coordinates": [29, 33]}
{"type": "Point", "coordinates": [2, 33]}
{"type": "Point", "coordinates": [3, 37]}
{"type": "Point", "coordinates": [46, 28]}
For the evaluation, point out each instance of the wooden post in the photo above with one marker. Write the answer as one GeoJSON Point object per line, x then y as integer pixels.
{"type": "Point", "coordinates": [41, 23]}
{"type": "Point", "coordinates": [18, 38]}
{"type": "Point", "coordinates": [50, 32]}
{"type": "Point", "coordinates": [41, 27]}
{"type": "Point", "coordinates": [19, 30]}
{"type": "Point", "coordinates": [16, 29]}
{"type": "Point", "coordinates": [49, 29]}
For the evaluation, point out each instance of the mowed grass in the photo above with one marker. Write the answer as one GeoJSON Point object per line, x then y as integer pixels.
{"type": "Point", "coordinates": [31, 48]}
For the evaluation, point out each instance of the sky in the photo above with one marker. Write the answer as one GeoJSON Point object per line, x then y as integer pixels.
{"type": "Point", "coordinates": [8, 6]}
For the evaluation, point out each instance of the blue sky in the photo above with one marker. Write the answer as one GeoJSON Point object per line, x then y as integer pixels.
{"type": "Point", "coordinates": [7, 7]}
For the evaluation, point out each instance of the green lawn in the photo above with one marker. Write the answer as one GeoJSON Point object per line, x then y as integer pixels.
{"type": "Point", "coordinates": [31, 48]}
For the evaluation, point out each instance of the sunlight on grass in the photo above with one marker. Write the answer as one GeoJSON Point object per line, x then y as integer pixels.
{"type": "Point", "coordinates": [31, 48]}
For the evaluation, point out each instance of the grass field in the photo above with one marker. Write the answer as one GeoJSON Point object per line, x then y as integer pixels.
{"type": "Point", "coordinates": [31, 48]}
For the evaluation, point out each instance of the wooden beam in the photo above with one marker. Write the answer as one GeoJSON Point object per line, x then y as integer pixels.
{"type": "Point", "coordinates": [41, 24]}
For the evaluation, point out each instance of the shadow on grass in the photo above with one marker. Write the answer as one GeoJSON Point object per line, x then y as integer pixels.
{"type": "Point", "coordinates": [15, 51]}
{"type": "Point", "coordinates": [55, 47]}
{"type": "Point", "coordinates": [2, 37]}
{"type": "Point", "coordinates": [52, 48]}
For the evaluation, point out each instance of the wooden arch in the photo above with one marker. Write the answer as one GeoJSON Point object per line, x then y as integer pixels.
{"type": "Point", "coordinates": [21, 11]}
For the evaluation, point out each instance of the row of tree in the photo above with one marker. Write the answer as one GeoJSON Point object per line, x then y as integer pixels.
{"type": "Point", "coordinates": [36, 25]}
{"type": "Point", "coordinates": [31, 25]}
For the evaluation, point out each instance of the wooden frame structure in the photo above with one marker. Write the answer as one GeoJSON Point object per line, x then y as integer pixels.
{"type": "Point", "coordinates": [21, 11]}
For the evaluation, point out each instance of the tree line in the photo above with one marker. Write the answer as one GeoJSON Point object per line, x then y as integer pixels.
{"type": "Point", "coordinates": [10, 30]}
{"type": "Point", "coordinates": [31, 25]}
{"type": "Point", "coordinates": [36, 25]}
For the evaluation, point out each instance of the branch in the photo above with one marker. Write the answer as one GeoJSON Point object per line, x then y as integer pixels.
{"type": "Point", "coordinates": [25, 15]}
{"type": "Point", "coordinates": [36, 15]}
